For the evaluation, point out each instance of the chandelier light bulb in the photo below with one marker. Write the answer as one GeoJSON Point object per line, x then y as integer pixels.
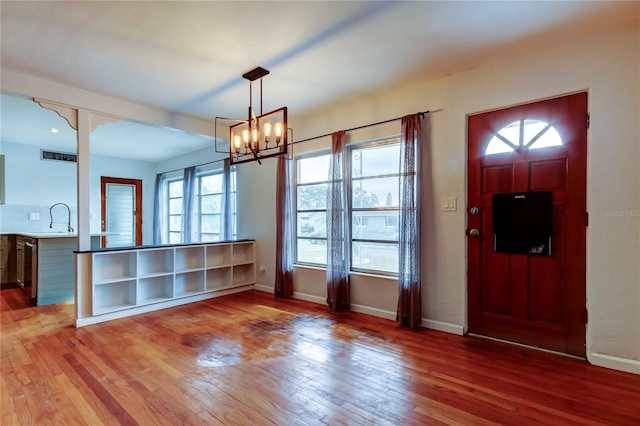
{"type": "Point", "coordinates": [278, 131]}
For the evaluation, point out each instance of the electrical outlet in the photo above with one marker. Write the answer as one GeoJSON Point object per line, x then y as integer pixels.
{"type": "Point", "coordinates": [263, 269]}
{"type": "Point", "coordinates": [34, 216]}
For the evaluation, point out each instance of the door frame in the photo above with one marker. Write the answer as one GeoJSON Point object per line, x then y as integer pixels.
{"type": "Point", "coordinates": [137, 183]}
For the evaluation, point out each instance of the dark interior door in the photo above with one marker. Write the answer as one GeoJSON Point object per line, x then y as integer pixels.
{"type": "Point", "coordinates": [537, 300]}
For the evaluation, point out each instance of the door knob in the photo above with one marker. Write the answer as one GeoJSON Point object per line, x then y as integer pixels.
{"type": "Point", "coordinates": [474, 232]}
{"type": "Point", "coordinates": [474, 210]}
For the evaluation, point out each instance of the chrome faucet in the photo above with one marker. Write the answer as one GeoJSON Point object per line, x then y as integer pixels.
{"type": "Point", "coordinates": [69, 228]}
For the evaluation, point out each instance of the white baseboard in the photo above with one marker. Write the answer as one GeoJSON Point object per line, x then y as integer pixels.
{"type": "Point", "coordinates": [381, 313]}
{"type": "Point", "coordinates": [614, 362]}
{"type": "Point", "coordinates": [447, 327]}
{"type": "Point", "coordinates": [390, 315]}
{"type": "Point", "coordinates": [264, 288]}
{"type": "Point", "coordinates": [81, 322]}
{"type": "Point", "coordinates": [310, 298]}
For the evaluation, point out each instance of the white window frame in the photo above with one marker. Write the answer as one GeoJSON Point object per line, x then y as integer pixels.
{"type": "Point", "coordinates": [198, 215]}
{"type": "Point", "coordinates": [349, 179]}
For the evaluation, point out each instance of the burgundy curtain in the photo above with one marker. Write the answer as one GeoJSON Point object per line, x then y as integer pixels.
{"type": "Point", "coordinates": [284, 232]}
{"type": "Point", "coordinates": [338, 291]}
{"type": "Point", "coordinates": [409, 282]}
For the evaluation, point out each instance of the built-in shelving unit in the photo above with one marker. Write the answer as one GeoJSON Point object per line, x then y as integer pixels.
{"type": "Point", "coordinates": [139, 277]}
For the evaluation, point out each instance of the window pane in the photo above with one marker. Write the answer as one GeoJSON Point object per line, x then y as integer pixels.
{"type": "Point", "coordinates": [211, 184]}
{"type": "Point", "coordinates": [377, 192]}
{"type": "Point", "coordinates": [312, 224]}
{"type": "Point", "coordinates": [375, 161]}
{"type": "Point", "coordinates": [313, 169]}
{"type": "Point", "coordinates": [375, 256]}
{"type": "Point", "coordinates": [511, 133]}
{"type": "Point", "coordinates": [175, 188]}
{"type": "Point", "coordinates": [175, 237]}
{"type": "Point", "coordinates": [175, 206]}
{"type": "Point", "coordinates": [175, 223]}
{"type": "Point", "coordinates": [211, 203]}
{"type": "Point", "coordinates": [209, 237]}
{"type": "Point", "coordinates": [210, 223]}
{"type": "Point", "coordinates": [497, 146]}
{"type": "Point", "coordinates": [312, 197]}
{"type": "Point", "coordinates": [375, 225]}
{"type": "Point", "coordinates": [309, 252]}
{"type": "Point", "coordinates": [549, 138]}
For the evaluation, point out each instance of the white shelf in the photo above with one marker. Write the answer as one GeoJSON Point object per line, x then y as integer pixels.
{"type": "Point", "coordinates": [218, 255]}
{"type": "Point", "coordinates": [243, 253]}
{"type": "Point", "coordinates": [154, 289]}
{"type": "Point", "coordinates": [131, 278]}
{"type": "Point", "coordinates": [189, 283]}
{"type": "Point", "coordinates": [154, 262]}
{"type": "Point", "coordinates": [218, 278]}
{"type": "Point", "coordinates": [117, 266]}
{"type": "Point", "coordinates": [189, 258]}
{"type": "Point", "coordinates": [114, 296]}
{"type": "Point", "coordinates": [244, 274]}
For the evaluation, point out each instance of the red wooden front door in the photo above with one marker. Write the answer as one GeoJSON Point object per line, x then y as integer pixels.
{"type": "Point", "coordinates": [529, 299]}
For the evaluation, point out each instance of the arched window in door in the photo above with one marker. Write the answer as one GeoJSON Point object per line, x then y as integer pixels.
{"type": "Point", "coordinates": [523, 134]}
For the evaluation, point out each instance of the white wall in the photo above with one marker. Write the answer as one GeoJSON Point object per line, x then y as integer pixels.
{"type": "Point", "coordinates": [33, 185]}
{"type": "Point", "coordinates": [607, 65]}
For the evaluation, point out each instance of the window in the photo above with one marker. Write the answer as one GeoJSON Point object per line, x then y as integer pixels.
{"type": "Point", "coordinates": [375, 198]}
{"type": "Point", "coordinates": [523, 134]}
{"type": "Point", "coordinates": [207, 206]}
{"type": "Point", "coordinates": [373, 191]}
{"type": "Point", "coordinates": [311, 215]}
{"type": "Point", "coordinates": [175, 211]}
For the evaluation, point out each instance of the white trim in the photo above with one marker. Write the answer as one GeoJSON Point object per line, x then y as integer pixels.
{"type": "Point", "coordinates": [310, 298]}
{"type": "Point", "coordinates": [447, 327]}
{"type": "Point", "coordinates": [81, 322]}
{"type": "Point", "coordinates": [614, 362]}
{"type": "Point", "coordinates": [264, 288]}
{"type": "Point", "coordinates": [381, 313]}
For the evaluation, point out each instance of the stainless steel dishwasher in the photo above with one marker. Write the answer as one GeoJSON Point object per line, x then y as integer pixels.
{"type": "Point", "coordinates": [27, 262]}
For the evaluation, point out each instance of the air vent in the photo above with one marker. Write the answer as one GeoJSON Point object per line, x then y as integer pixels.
{"type": "Point", "coordinates": [58, 156]}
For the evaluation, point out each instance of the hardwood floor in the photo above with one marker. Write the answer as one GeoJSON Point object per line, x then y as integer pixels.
{"type": "Point", "coordinates": [250, 359]}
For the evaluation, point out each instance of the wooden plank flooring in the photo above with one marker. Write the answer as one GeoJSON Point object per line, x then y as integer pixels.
{"type": "Point", "coordinates": [250, 359]}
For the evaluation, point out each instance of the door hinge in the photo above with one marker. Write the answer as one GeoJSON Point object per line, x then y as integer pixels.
{"type": "Point", "coordinates": [586, 218]}
{"type": "Point", "coordinates": [588, 120]}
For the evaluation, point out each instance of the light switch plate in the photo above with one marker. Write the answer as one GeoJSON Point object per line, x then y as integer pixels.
{"type": "Point", "coordinates": [34, 216]}
{"type": "Point", "coordinates": [449, 204]}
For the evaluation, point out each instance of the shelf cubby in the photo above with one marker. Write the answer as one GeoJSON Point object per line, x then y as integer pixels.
{"type": "Point", "coordinates": [114, 266]}
{"type": "Point", "coordinates": [155, 262]}
{"type": "Point", "coordinates": [114, 296]}
{"type": "Point", "coordinates": [189, 258]}
{"type": "Point", "coordinates": [243, 252]}
{"type": "Point", "coordinates": [244, 274]}
{"type": "Point", "coordinates": [154, 289]}
{"type": "Point", "coordinates": [218, 255]}
{"type": "Point", "coordinates": [218, 278]}
{"type": "Point", "coordinates": [188, 283]}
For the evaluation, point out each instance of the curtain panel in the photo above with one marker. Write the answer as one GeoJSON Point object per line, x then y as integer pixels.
{"type": "Point", "coordinates": [226, 216]}
{"type": "Point", "coordinates": [409, 312]}
{"type": "Point", "coordinates": [338, 234]}
{"type": "Point", "coordinates": [284, 229]}
{"type": "Point", "coordinates": [188, 203]}
{"type": "Point", "coordinates": [158, 210]}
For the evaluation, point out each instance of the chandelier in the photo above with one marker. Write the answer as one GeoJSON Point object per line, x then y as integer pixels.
{"type": "Point", "coordinates": [259, 136]}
